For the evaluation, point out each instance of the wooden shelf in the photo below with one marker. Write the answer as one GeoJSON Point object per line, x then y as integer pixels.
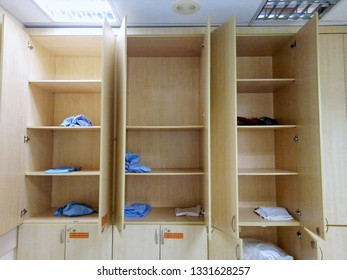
{"type": "Point", "coordinates": [250, 219]}
{"type": "Point", "coordinates": [48, 217]}
{"type": "Point", "coordinates": [165, 215]}
{"type": "Point", "coordinates": [75, 173]}
{"type": "Point", "coordinates": [69, 86]}
{"type": "Point", "coordinates": [261, 85]}
{"type": "Point", "coordinates": [168, 127]}
{"type": "Point", "coordinates": [265, 172]}
{"type": "Point", "coordinates": [169, 172]}
{"type": "Point", "coordinates": [62, 128]}
{"type": "Point", "coordinates": [264, 127]}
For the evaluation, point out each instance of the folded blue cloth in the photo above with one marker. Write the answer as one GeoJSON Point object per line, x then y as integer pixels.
{"type": "Point", "coordinates": [62, 169]}
{"type": "Point", "coordinates": [74, 209]}
{"type": "Point", "coordinates": [76, 120]}
{"type": "Point", "coordinates": [136, 210]}
{"type": "Point", "coordinates": [133, 165]}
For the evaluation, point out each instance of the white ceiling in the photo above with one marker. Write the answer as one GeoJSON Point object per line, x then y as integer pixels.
{"type": "Point", "coordinates": [160, 13]}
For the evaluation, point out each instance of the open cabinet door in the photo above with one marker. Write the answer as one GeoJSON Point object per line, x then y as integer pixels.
{"type": "Point", "coordinates": [121, 124]}
{"type": "Point", "coordinates": [107, 127]}
{"type": "Point", "coordinates": [205, 80]}
{"type": "Point", "coordinates": [224, 194]}
{"type": "Point", "coordinates": [309, 128]}
{"type": "Point", "coordinates": [13, 99]}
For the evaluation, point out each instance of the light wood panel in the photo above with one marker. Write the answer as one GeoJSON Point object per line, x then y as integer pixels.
{"type": "Point", "coordinates": [309, 130]}
{"type": "Point", "coordinates": [193, 245]}
{"type": "Point", "coordinates": [261, 85]}
{"type": "Point", "coordinates": [67, 105]}
{"type": "Point", "coordinates": [84, 189]}
{"type": "Point", "coordinates": [76, 148]}
{"type": "Point", "coordinates": [67, 86]}
{"type": "Point", "coordinates": [66, 128]}
{"type": "Point", "coordinates": [121, 121]}
{"type": "Point", "coordinates": [167, 127]}
{"type": "Point", "coordinates": [13, 98]}
{"type": "Point", "coordinates": [107, 140]}
{"type": "Point", "coordinates": [90, 248]}
{"type": "Point", "coordinates": [170, 172]}
{"type": "Point", "coordinates": [265, 127]}
{"type": "Point", "coordinates": [164, 191]}
{"type": "Point", "coordinates": [255, 105]}
{"type": "Point", "coordinates": [166, 149]}
{"type": "Point", "coordinates": [78, 68]}
{"type": "Point", "coordinates": [223, 129]}
{"type": "Point", "coordinates": [135, 237]}
{"type": "Point", "coordinates": [256, 149]}
{"type": "Point", "coordinates": [165, 46]}
{"type": "Point", "coordinates": [163, 91]}
{"type": "Point", "coordinates": [254, 67]}
{"type": "Point", "coordinates": [70, 45]}
{"type": "Point", "coordinates": [223, 246]}
{"type": "Point", "coordinates": [39, 242]}
{"type": "Point", "coordinates": [333, 62]}
{"type": "Point", "coordinates": [264, 172]}
{"type": "Point", "coordinates": [266, 45]}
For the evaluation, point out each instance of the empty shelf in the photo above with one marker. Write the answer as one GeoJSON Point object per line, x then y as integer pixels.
{"type": "Point", "coordinates": [69, 86]}
{"type": "Point", "coordinates": [264, 172]}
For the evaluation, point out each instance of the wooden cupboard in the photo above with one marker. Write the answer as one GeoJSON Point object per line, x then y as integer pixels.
{"type": "Point", "coordinates": [163, 116]}
{"type": "Point", "coordinates": [161, 242]}
{"type": "Point", "coordinates": [48, 79]}
{"type": "Point", "coordinates": [333, 83]}
{"type": "Point", "coordinates": [163, 110]}
{"type": "Point", "coordinates": [44, 241]}
{"type": "Point", "coordinates": [255, 74]}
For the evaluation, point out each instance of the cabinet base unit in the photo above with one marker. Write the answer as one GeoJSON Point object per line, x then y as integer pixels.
{"type": "Point", "coordinates": [161, 242]}
{"type": "Point", "coordinates": [63, 241]}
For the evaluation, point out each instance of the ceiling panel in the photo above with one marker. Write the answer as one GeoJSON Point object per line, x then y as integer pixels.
{"type": "Point", "coordinates": [160, 13]}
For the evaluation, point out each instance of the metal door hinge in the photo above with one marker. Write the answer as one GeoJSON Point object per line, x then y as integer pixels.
{"type": "Point", "coordinates": [30, 46]}
{"type": "Point", "coordinates": [298, 212]}
{"type": "Point", "coordinates": [293, 45]}
{"type": "Point", "coordinates": [23, 212]}
{"type": "Point", "coordinates": [296, 138]}
{"type": "Point", "coordinates": [298, 234]}
{"type": "Point", "coordinates": [26, 139]}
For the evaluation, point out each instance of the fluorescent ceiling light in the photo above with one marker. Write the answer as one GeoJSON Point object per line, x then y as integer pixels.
{"type": "Point", "coordinates": [294, 10]}
{"type": "Point", "coordinates": [77, 10]}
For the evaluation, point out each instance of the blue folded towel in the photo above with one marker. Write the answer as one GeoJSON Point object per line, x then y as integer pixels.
{"type": "Point", "coordinates": [74, 209]}
{"type": "Point", "coordinates": [76, 120]}
{"type": "Point", "coordinates": [62, 169]}
{"type": "Point", "coordinates": [133, 165]}
{"type": "Point", "coordinates": [136, 210]}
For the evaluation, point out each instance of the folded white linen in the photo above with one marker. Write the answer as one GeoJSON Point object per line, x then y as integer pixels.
{"type": "Point", "coordinates": [273, 213]}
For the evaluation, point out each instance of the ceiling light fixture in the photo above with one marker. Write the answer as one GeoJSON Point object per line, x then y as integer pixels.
{"type": "Point", "coordinates": [77, 10]}
{"type": "Point", "coordinates": [186, 7]}
{"type": "Point", "coordinates": [294, 9]}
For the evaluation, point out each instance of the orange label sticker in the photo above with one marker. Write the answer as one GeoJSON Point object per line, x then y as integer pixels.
{"type": "Point", "coordinates": [79, 235]}
{"type": "Point", "coordinates": [104, 220]}
{"type": "Point", "coordinates": [173, 235]}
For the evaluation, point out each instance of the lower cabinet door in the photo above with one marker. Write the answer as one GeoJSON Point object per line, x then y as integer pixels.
{"type": "Point", "coordinates": [183, 242]}
{"type": "Point", "coordinates": [41, 242]}
{"type": "Point", "coordinates": [83, 243]}
{"type": "Point", "coordinates": [334, 247]}
{"type": "Point", "coordinates": [160, 242]}
{"type": "Point", "coordinates": [137, 242]}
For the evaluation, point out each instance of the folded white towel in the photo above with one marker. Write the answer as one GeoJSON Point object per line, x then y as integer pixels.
{"type": "Point", "coordinates": [255, 249]}
{"type": "Point", "coordinates": [273, 213]}
{"type": "Point", "coordinates": [192, 211]}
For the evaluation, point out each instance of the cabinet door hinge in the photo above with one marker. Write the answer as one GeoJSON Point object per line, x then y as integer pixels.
{"type": "Point", "coordinates": [296, 138]}
{"type": "Point", "coordinates": [26, 139]}
{"type": "Point", "coordinates": [293, 44]}
{"type": "Point", "coordinates": [298, 212]}
{"type": "Point", "coordinates": [30, 46]}
{"type": "Point", "coordinates": [23, 212]}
